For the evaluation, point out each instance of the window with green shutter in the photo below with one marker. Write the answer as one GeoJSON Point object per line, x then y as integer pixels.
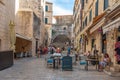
{"type": "Point", "coordinates": [46, 20]}
{"type": "Point", "coordinates": [90, 15]}
{"type": "Point", "coordinates": [85, 21]}
{"type": "Point", "coordinates": [82, 4]}
{"type": "Point", "coordinates": [96, 8]}
{"type": "Point", "coordinates": [46, 8]}
{"type": "Point", "coordinates": [105, 4]}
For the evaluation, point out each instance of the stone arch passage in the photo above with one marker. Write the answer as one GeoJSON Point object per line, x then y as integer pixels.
{"type": "Point", "coordinates": [61, 40]}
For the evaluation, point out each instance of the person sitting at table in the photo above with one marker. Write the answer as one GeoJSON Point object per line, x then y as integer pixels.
{"type": "Point", "coordinates": [87, 54]}
{"type": "Point", "coordinates": [103, 63]}
{"type": "Point", "coordinates": [58, 50]}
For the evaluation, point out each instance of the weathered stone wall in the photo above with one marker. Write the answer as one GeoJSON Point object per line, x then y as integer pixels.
{"type": "Point", "coordinates": [24, 20]}
{"type": "Point", "coordinates": [97, 36]}
{"type": "Point", "coordinates": [7, 13]}
{"type": "Point", "coordinates": [37, 6]}
{"type": "Point", "coordinates": [111, 39]}
{"type": "Point", "coordinates": [49, 15]}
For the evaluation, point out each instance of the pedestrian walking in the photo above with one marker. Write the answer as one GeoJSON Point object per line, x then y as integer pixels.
{"type": "Point", "coordinates": [41, 51]}
{"type": "Point", "coordinates": [38, 52]}
{"type": "Point", "coordinates": [69, 50]}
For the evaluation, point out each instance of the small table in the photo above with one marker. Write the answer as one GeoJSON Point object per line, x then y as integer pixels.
{"type": "Point", "coordinates": [89, 60]}
{"type": "Point", "coordinates": [57, 55]}
{"type": "Point", "coordinates": [56, 59]}
{"type": "Point", "coordinates": [56, 62]}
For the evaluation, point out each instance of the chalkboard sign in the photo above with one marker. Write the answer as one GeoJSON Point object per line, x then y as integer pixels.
{"type": "Point", "coordinates": [67, 63]}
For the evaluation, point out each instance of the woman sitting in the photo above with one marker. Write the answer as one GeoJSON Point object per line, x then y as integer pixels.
{"type": "Point", "coordinates": [106, 60]}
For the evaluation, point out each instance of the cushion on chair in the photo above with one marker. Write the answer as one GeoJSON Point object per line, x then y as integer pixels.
{"type": "Point", "coordinates": [83, 62]}
{"type": "Point", "coordinates": [50, 61]}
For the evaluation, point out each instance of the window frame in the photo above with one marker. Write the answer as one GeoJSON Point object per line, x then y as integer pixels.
{"type": "Point", "coordinates": [106, 6]}
{"type": "Point", "coordinates": [96, 8]}
{"type": "Point", "coordinates": [46, 20]}
{"type": "Point", "coordinates": [46, 8]}
{"type": "Point", "coordinates": [90, 15]}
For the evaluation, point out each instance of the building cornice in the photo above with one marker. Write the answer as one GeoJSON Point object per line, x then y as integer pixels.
{"type": "Point", "coordinates": [2, 3]}
{"type": "Point", "coordinates": [49, 2]}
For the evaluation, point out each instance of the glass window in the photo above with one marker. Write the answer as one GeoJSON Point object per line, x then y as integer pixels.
{"type": "Point", "coordinates": [96, 8]}
{"type": "Point", "coordinates": [46, 20]}
{"type": "Point", "coordinates": [83, 25]}
{"type": "Point", "coordinates": [86, 21]}
{"type": "Point", "coordinates": [92, 43]}
{"type": "Point", "coordinates": [104, 43]}
{"type": "Point", "coordinates": [64, 28]}
{"type": "Point", "coordinates": [82, 4]}
{"type": "Point", "coordinates": [90, 15]}
{"type": "Point", "coordinates": [105, 4]}
{"type": "Point", "coordinates": [46, 8]}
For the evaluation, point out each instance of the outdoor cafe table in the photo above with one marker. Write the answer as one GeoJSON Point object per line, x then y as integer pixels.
{"type": "Point", "coordinates": [89, 60]}
{"type": "Point", "coordinates": [56, 59]}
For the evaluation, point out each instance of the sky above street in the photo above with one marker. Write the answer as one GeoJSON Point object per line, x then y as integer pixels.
{"type": "Point", "coordinates": [62, 7]}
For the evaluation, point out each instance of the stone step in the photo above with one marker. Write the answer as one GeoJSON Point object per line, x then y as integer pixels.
{"type": "Point", "coordinates": [115, 74]}
{"type": "Point", "coordinates": [113, 71]}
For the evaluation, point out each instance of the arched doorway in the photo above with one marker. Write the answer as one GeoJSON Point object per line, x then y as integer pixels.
{"type": "Point", "coordinates": [61, 41]}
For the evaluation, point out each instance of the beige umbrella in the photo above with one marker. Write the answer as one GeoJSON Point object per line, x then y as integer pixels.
{"type": "Point", "coordinates": [12, 35]}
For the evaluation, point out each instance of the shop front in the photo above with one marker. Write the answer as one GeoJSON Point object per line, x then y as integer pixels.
{"type": "Point", "coordinates": [23, 46]}
{"type": "Point", "coordinates": [112, 31]}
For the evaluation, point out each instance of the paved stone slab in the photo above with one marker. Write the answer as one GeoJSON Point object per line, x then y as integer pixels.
{"type": "Point", "coordinates": [35, 69]}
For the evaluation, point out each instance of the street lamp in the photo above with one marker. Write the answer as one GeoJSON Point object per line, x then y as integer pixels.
{"type": "Point", "coordinates": [12, 35]}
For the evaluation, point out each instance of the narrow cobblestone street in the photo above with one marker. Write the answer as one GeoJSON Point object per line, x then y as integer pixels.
{"type": "Point", "coordinates": [35, 69]}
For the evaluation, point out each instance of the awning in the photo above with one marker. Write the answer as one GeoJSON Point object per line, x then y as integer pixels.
{"type": "Point", "coordinates": [98, 21]}
{"type": "Point", "coordinates": [85, 29]}
{"type": "Point", "coordinates": [98, 25]}
{"type": "Point", "coordinates": [23, 37]}
{"type": "Point", "coordinates": [114, 24]}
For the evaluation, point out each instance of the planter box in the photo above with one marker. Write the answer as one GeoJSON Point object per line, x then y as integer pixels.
{"type": "Point", "coordinates": [6, 59]}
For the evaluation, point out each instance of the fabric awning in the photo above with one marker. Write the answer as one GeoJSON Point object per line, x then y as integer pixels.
{"type": "Point", "coordinates": [23, 37]}
{"type": "Point", "coordinates": [85, 29]}
{"type": "Point", "coordinates": [98, 21]}
{"type": "Point", "coordinates": [114, 24]}
{"type": "Point", "coordinates": [98, 25]}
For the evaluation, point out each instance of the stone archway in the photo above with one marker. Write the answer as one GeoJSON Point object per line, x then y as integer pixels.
{"type": "Point", "coordinates": [61, 40]}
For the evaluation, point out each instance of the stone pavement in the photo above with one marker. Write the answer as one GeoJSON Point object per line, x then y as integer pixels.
{"type": "Point", "coordinates": [35, 69]}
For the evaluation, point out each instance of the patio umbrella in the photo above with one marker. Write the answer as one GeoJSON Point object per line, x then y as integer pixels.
{"type": "Point", "coordinates": [12, 35]}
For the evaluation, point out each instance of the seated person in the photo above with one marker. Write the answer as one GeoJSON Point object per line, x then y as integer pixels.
{"type": "Point", "coordinates": [87, 54]}
{"type": "Point", "coordinates": [58, 50]}
{"type": "Point", "coordinates": [106, 60]}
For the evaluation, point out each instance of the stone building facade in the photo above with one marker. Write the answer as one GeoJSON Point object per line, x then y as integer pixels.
{"type": "Point", "coordinates": [96, 15]}
{"type": "Point", "coordinates": [77, 23]}
{"type": "Point", "coordinates": [112, 33]}
{"type": "Point", "coordinates": [93, 18]}
{"type": "Point", "coordinates": [7, 14]}
{"type": "Point", "coordinates": [30, 22]}
{"type": "Point", "coordinates": [24, 31]}
{"type": "Point", "coordinates": [62, 30]}
{"type": "Point", "coordinates": [48, 20]}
